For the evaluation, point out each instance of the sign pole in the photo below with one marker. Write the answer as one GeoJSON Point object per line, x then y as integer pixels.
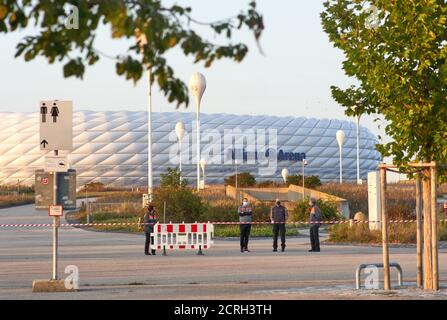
{"type": "Point", "coordinates": [55, 224]}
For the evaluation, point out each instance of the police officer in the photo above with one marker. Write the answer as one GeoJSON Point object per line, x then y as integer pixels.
{"type": "Point", "coordinates": [278, 216]}
{"type": "Point", "coordinates": [314, 218]}
{"type": "Point", "coordinates": [245, 218]}
{"type": "Point", "coordinates": [149, 221]}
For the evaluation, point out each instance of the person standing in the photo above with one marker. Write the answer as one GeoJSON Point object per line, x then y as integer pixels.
{"type": "Point", "coordinates": [245, 218]}
{"type": "Point", "coordinates": [149, 221]}
{"type": "Point", "coordinates": [314, 219]}
{"type": "Point", "coordinates": [278, 216]}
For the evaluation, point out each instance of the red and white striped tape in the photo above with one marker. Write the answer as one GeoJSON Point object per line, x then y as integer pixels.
{"type": "Point", "coordinates": [31, 225]}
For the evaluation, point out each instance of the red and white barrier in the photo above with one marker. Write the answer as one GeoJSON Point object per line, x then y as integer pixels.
{"type": "Point", "coordinates": [179, 236]}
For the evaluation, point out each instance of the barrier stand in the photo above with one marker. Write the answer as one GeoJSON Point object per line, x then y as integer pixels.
{"type": "Point", "coordinates": [181, 236]}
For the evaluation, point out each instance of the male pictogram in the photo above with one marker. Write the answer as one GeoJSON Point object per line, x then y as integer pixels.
{"type": "Point", "coordinates": [54, 112]}
{"type": "Point", "coordinates": [43, 112]}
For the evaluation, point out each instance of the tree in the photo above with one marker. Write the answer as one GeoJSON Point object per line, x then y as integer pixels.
{"type": "Point", "coordinates": [244, 179]}
{"type": "Point", "coordinates": [172, 179]}
{"type": "Point", "coordinates": [165, 27]}
{"type": "Point", "coordinates": [182, 204]}
{"type": "Point", "coordinates": [396, 51]}
{"type": "Point", "coordinates": [309, 182]}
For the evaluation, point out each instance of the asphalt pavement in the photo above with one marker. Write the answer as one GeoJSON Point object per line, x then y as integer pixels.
{"type": "Point", "coordinates": [113, 266]}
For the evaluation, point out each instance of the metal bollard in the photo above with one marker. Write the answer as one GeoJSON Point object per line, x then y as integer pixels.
{"type": "Point", "coordinates": [378, 265]}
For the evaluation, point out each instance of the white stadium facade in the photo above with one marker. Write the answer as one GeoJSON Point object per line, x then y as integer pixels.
{"type": "Point", "coordinates": [111, 147]}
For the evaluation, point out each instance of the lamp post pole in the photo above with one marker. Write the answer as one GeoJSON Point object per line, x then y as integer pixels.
{"type": "Point", "coordinates": [149, 133]}
{"type": "Point", "coordinates": [202, 165]}
{"type": "Point", "coordinates": [340, 136]}
{"type": "Point", "coordinates": [197, 85]}
{"type": "Point", "coordinates": [180, 132]}
{"type": "Point", "coordinates": [284, 174]}
{"type": "Point", "coordinates": [235, 162]}
{"type": "Point", "coordinates": [142, 41]}
{"type": "Point", "coordinates": [357, 120]}
{"type": "Point", "coordinates": [304, 163]}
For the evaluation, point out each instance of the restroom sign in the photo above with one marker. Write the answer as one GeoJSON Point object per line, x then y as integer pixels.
{"type": "Point", "coordinates": [56, 125]}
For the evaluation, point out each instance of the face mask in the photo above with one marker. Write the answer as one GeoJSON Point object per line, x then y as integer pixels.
{"type": "Point", "coordinates": [244, 203]}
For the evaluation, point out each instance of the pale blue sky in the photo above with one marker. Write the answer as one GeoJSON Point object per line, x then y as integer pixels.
{"type": "Point", "coordinates": [292, 79]}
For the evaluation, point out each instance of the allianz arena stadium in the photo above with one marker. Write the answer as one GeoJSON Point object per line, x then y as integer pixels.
{"type": "Point", "coordinates": [111, 147]}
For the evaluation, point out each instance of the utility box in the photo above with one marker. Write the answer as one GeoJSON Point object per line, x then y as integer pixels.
{"type": "Point", "coordinates": [43, 186]}
{"type": "Point", "coordinates": [374, 201]}
{"type": "Point", "coordinates": [66, 189]}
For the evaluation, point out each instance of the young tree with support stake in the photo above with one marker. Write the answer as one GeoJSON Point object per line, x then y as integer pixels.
{"type": "Point", "coordinates": [396, 51]}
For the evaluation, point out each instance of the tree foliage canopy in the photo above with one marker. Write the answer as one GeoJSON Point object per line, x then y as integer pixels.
{"type": "Point", "coordinates": [165, 27]}
{"type": "Point", "coordinates": [400, 64]}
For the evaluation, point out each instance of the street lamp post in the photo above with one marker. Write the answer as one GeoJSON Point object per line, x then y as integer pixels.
{"type": "Point", "coordinates": [235, 162]}
{"type": "Point", "coordinates": [357, 120]}
{"type": "Point", "coordinates": [304, 163]}
{"type": "Point", "coordinates": [202, 165]}
{"type": "Point", "coordinates": [180, 132]}
{"type": "Point", "coordinates": [142, 41]}
{"type": "Point", "coordinates": [284, 174]}
{"type": "Point", "coordinates": [340, 136]}
{"type": "Point", "coordinates": [197, 85]}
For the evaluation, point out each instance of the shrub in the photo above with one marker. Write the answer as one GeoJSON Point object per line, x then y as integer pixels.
{"type": "Point", "coordinates": [94, 187]}
{"type": "Point", "coordinates": [244, 179]}
{"type": "Point", "coordinates": [172, 179]}
{"type": "Point", "coordinates": [182, 204]}
{"type": "Point", "coordinates": [328, 210]}
{"type": "Point", "coordinates": [269, 184]}
{"type": "Point", "coordinates": [310, 182]}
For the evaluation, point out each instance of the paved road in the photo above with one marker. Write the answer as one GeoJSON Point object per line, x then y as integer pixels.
{"type": "Point", "coordinates": [112, 266]}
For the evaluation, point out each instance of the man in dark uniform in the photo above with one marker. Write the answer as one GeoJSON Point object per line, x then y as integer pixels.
{"type": "Point", "coordinates": [278, 216]}
{"type": "Point", "coordinates": [314, 218]}
{"type": "Point", "coordinates": [149, 221]}
{"type": "Point", "coordinates": [245, 218]}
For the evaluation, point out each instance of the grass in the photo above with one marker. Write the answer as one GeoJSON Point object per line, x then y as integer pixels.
{"type": "Point", "coordinates": [227, 231]}
{"type": "Point", "coordinates": [398, 233]}
{"type": "Point", "coordinates": [14, 200]}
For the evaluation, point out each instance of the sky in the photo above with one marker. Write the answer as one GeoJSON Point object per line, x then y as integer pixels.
{"type": "Point", "coordinates": [292, 77]}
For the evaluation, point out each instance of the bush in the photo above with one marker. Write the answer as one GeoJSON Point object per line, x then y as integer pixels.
{"type": "Point", "coordinates": [172, 179]}
{"type": "Point", "coordinates": [328, 210]}
{"type": "Point", "coordinates": [310, 182]}
{"type": "Point", "coordinates": [269, 184]}
{"type": "Point", "coordinates": [182, 204]}
{"type": "Point", "coordinates": [244, 179]}
{"type": "Point", "coordinates": [228, 212]}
